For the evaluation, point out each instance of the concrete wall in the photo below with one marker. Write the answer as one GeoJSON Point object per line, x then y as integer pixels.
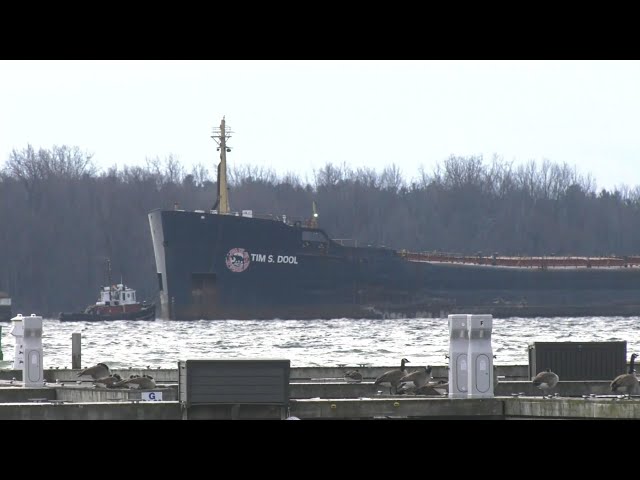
{"type": "Point", "coordinates": [91, 411]}
{"type": "Point", "coordinates": [24, 395]}
{"type": "Point", "coordinates": [83, 394]}
{"type": "Point", "coordinates": [600, 408]}
{"type": "Point", "coordinates": [234, 412]}
{"type": "Point", "coordinates": [398, 408]}
{"type": "Point", "coordinates": [390, 407]}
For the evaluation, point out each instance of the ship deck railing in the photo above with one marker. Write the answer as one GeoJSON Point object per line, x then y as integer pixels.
{"type": "Point", "coordinates": [288, 220]}
{"type": "Point", "coordinates": [525, 261]}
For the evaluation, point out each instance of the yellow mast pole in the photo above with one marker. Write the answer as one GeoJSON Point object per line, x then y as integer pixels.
{"type": "Point", "coordinates": [221, 136]}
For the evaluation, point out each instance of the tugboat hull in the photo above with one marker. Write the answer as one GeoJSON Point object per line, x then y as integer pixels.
{"type": "Point", "coordinates": [147, 313]}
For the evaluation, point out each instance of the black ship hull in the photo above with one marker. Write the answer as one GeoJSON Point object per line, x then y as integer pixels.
{"type": "Point", "coordinates": [146, 313]}
{"type": "Point", "coordinates": [5, 307]}
{"type": "Point", "coordinates": [231, 267]}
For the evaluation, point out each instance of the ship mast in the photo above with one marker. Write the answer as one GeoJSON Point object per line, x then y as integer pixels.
{"type": "Point", "coordinates": [220, 135]}
{"type": "Point", "coordinates": [109, 278]}
{"type": "Point", "coordinates": [109, 271]}
{"type": "Point", "coordinates": [314, 218]}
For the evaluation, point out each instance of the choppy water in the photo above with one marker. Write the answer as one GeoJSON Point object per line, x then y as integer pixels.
{"type": "Point", "coordinates": [423, 341]}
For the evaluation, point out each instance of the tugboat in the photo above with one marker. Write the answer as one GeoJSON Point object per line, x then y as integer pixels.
{"type": "Point", "coordinates": [115, 302]}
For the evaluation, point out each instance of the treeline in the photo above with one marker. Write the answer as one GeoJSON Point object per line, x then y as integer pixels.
{"type": "Point", "coordinates": [61, 217]}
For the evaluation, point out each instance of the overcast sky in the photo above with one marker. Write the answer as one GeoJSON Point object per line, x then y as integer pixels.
{"type": "Point", "coordinates": [295, 116]}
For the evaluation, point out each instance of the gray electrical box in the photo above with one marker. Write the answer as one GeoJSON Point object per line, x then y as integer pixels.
{"type": "Point", "coordinates": [579, 360]}
{"type": "Point", "coordinates": [32, 373]}
{"type": "Point", "coordinates": [458, 356]}
{"type": "Point", "coordinates": [239, 382]}
{"type": "Point", "coordinates": [480, 356]}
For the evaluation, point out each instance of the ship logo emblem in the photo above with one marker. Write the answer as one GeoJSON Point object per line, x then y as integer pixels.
{"type": "Point", "coordinates": [238, 260]}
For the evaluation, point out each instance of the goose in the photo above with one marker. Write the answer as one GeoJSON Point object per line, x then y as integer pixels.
{"type": "Point", "coordinates": [407, 388]}
{"type": "Point", "coordinates": [143, 382]}
{"type": "Point", "coordinates": [419, 378]}
{"type": "Point", "coordinates": [545, 381]}
{"type": "Point", "coordinates": [353, 376]}
{"type": "Point", "coordinates": [392, 377]}
{"type": "Point", "coordinates": [627, 382]}
{"type": "Point", "coordinates": [99, 370]}
{"type": "Point", "coordinates": [440, 387]}
{"type": "Point", "coordinates": [123, 383]}
{"type": "Point", "coordinates": [109, 381]}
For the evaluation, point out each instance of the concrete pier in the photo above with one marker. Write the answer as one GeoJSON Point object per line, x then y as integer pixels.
{"type": "Point", "coordinates": [572, 408]}
{"type": "Point", "coordinates": [67, 375]}
{"type": "Point", "coordinates": [79, 394]}
{"type": "Point", "coordinates": [498, 408]}
{"type": "Point", "coordinates": [312, 396]}
{"type": "Point", "coordinates": [91, 411]}
{"type": "Point", "coordinates": [408, 407]}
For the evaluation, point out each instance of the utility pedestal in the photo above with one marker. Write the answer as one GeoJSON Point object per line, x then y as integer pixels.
{"type": "Point", "coordinates": [458, 356]}
{"type": "Point", "coordinates": [480, 356]}
{"type": "Point", "coordinates": [18, 332]}
{"type": "Point", "coordinates": [28, 355]}
{"type": "Point", "coordinates": [33, 374]}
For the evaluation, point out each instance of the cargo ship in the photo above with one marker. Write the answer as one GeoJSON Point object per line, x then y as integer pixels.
{"type": "Point", "coordinates": [5, 307]}
{"type": "Point", "coordinates": [219, 264]}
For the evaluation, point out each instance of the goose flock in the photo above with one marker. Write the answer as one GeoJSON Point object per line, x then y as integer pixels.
{"type": "Point", "coordinates": [419, 382]}
{"type": "Point", "coordinates": [393, 378]}
{"type": "Point", "coordinates": [103, 377]}
{"type": "Point", "coordinates": [399, 381]}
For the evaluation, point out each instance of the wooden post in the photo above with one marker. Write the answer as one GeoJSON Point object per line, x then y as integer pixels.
{"type": "Point", "coordinates": [76, 347]}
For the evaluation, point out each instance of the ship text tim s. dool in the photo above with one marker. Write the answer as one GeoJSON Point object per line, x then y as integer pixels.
{"type": "Point", "coordinates": [264, 258]}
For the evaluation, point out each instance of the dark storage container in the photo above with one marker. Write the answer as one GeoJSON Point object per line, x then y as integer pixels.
{"type": "Point", "coordinates": [579, 360]}
{"type": "Point", "coordinates": [210, 382]}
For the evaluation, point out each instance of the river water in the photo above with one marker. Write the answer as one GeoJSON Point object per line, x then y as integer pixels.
{"type": "Point", "coordinates": [424, 341]}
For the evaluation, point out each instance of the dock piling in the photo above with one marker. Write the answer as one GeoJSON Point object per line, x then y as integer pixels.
{"type": "Point", "coordinates": [76, 350]}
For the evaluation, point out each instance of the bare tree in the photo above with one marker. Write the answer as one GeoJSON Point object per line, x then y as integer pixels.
{"type": "Point", "coordinates": [391, 178]}
{"type": "Point", "coordinates": [65, 217]}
